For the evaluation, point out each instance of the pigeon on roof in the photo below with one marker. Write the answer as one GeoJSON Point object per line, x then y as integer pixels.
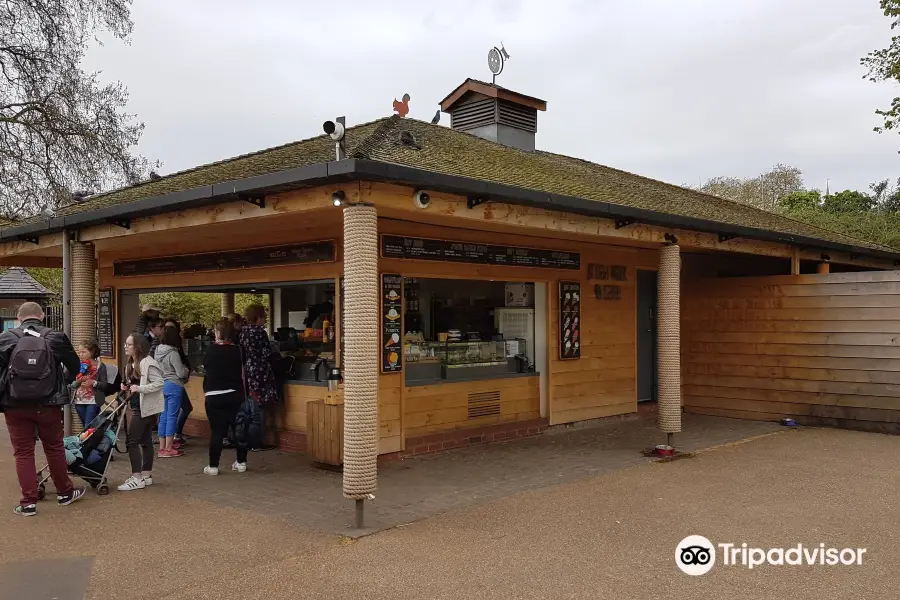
{"type": "Point", "coordinates": [437, 117]}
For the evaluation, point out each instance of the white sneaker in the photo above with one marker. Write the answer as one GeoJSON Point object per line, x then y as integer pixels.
{"type": "Point", "coordinates": [148, 480]}
{"type": "Point", "coordinates": [132, 483]}
{"type": "Point", "coordinates": [210, 470]}
{"type": "Point", "coordinates": [239, 467]}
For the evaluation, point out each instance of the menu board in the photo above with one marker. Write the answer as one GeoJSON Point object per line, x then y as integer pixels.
{"type": "Point", "coordinates": [235, 259]}
{"type": "Point", "coordinates": [393, 246]}
{"type": "Point", "coordinates": [105, 332]}
{"type": "Point", "coordinates": [569, 320]}
{"type": "Point", "coordinates": [391, 334]}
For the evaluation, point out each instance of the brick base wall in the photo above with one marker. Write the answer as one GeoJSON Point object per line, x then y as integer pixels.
{"type": "Point", "coordinates": [460, 438]}
{"type": "Point", "coordinates": [295, 441]}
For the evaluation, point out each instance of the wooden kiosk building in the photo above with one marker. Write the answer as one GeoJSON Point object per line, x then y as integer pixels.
{"type": "Point", "coordinates": [480, 290]}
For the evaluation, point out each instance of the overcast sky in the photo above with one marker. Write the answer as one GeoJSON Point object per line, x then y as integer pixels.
{"type": "Point", "coordinates": [680, 91]}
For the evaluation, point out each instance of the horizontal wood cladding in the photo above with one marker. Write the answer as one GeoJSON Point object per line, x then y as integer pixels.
{"type": "Point", "coordinates": [824, 349]}
{"type": "Point", "coordinates": [395, 201]}
{"type": "Point", "coordinates": [603, 382]}
{"type": "Point", "coordinates": [288, 229]}
{"type": "Point", "coordinates": [434, 408]}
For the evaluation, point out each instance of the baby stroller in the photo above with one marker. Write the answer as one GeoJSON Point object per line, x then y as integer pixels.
{"type": "Point", "coordinates": [88, 455]}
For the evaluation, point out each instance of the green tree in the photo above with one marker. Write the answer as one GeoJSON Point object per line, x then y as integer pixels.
{"type": "Point", "coordinates": [884, 65]}
{"type": "Point", "coordinates": [198, 307]}
{"type": "Point", "coordinates": [796, 201]}
{"type": "Point", "coordinates": [848, 201]}
{"type": "Point", "coordinates": [886, 195]}
{"type": "Point", "coordinates": [49, 278]}
{"type": "Point", "coordinates": [762, 191]}
{"type": "Point", "coordinates": [63, 134]}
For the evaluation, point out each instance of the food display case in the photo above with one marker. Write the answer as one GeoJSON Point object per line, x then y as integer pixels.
{"type": "Point", "coordinates": [455, 360]}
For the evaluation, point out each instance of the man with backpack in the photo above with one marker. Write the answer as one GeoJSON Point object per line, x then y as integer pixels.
{"type": "Point", "coordinates": [33, 388]}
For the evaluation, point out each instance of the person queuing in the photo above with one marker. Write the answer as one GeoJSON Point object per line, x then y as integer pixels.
{"type": "Point", "coordinates": [237, 324]}
{"type": "Point", "coordinates": [95, 381]}
{"type": "Point", "coordinates": [36, 364]}
{"type": "Point", "coordinates": [260, 375]}
{"type": "Point", "coordinates": [186, 407]}
{"type": "Point", "coordinates": [223, 386]}
{"type": "Point", "coordinates": [148, 313]}
{"type": "Point", "coordinates": [176, 375]}
{"type": "Point", "coordinates": [154, 334]}
{"type": "Point", "coordinates": [143, 390]}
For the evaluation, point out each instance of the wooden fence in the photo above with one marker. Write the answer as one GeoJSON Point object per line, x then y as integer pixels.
{"type": "Point", "coordinates": [823, 349]}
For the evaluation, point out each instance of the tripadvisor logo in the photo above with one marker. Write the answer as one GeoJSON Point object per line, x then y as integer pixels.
{"type": "Point", "coordinates": [696, 555]}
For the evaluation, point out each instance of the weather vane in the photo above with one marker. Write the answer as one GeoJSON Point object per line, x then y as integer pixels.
{"type": "Point", "coordinates": [496, 59]}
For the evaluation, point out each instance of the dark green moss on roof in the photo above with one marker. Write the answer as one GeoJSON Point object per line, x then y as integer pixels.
{"type": "Point", "coordinates": [458, 153]}
{"type": "Point", "coordinates": [444, 150]}
{"type": "Point", "coordinates": [297, 154]}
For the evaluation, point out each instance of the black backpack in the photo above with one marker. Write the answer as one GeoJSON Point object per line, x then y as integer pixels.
{"type": "Point", "coordinates": [33, 371]}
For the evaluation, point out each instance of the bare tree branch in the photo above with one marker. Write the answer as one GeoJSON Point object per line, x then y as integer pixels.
{"type": "Point", "coordinates": [60, 128]}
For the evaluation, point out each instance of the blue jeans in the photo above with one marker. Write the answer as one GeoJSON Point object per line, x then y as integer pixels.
{"type": "Point", "coordinates": [168, 420]}
{"type": "Point", "coordinates": [186, 409]}
{"type": "Point", "coordinates": [86, 412]}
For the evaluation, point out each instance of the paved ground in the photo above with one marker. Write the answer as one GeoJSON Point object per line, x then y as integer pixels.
{"type": "Point", "coordinates": [610, 533]}
{"type": "Point", "coordinates": [287, 486]}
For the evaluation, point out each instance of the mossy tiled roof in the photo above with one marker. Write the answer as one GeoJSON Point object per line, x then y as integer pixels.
{"type": "Point", "coordinates": [443, 150]}
{"type": "Point", "coordinates": [457, 153]}
{"type": "Point", "coordinates": [297, 154]}
{"type": "Point", "coordinates": [17, 283]}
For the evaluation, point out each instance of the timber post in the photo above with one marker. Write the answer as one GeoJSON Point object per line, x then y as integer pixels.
{"type": "Point", "coordinates": [227, 303]}
{"type": "Point", "coordinates": [361, 339]}
{"type": "Point", "coordinates": [669, 340]}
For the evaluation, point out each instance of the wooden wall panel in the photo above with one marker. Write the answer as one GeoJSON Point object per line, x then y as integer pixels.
{"type": "Point", "coordinates": [824, 349]}
{"type": "Point", "coordinates": [599, 384]}
{"type": "Point", "coordinates": [603, 382]}
{"type": "Point", "coordinates": [433, 408]}
{"type": "Point", "coordinates": [390, 432]}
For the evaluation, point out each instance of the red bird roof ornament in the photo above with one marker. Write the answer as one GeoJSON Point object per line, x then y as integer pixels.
{"type": "Point", "coordinates": [402, 108]}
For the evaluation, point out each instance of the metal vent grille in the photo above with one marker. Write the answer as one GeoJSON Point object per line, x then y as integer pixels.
{"type": "Point", "coordinates": [518, 116]}
{"type": "Point", "coordinates": [473, 114]}
{"type": "Point", "coordinates": [484, 404]}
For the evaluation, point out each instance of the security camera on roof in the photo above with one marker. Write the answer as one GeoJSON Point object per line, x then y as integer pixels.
{"type": "Point", "coordinates": [421, 199]}
{"type": "Point", "coordinates": [334, 129]}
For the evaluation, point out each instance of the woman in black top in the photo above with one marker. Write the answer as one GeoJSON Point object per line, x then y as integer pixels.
{"type": "Point", "coordinates": [223, 385]}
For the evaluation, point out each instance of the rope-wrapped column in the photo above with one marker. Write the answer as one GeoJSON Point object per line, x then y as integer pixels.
{"type": "Point", "coordinates": [361, 350]}
{"type": "Point", "coordinates": [84, 293]}
{"type": "Point", "coordinates": [227, 303]}
{"type": "Point", "coordinates": [668, 340]}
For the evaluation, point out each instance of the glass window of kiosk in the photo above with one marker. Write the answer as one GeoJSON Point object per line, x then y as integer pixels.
{"type": "Point", "coordinates": [304, 329]}
{"type": "Point", "coordinates": [196, 312]}
{"type": "Point", "coordinates": [459, 330]}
